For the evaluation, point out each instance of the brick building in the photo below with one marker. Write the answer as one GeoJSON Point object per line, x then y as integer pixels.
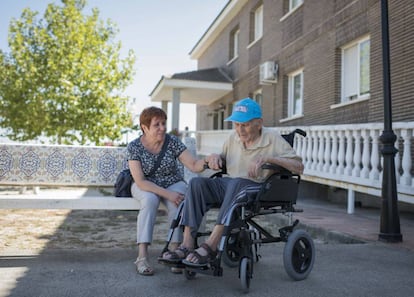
{"type": "Point", "coordinates": [308, 62]}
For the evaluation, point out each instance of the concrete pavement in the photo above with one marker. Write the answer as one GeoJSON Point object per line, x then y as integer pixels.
{"type": "Point", "coordinates": [350, 261]}
{"type": "Point", "coordinates": [370, 269]}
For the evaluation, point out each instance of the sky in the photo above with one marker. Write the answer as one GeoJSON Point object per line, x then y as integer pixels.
{"type": "Point", "coordinates": [160, 32]}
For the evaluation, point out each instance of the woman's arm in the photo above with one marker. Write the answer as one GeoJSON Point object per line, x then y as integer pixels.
{"type": "Point", "coordinates": [195, 165]}
{"type": "Point", "coordinates": [146, 185]}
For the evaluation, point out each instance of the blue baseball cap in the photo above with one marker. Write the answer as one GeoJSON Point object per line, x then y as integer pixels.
{"type": "Point", "coordinates": [245, 110]}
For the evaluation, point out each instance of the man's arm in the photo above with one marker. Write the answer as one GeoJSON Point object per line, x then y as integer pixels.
{"type": "Point", "coordinates": [290, 164]}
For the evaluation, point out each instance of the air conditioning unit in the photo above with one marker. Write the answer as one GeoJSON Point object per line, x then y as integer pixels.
{"type": "Point", "coordinates": [268, 72]}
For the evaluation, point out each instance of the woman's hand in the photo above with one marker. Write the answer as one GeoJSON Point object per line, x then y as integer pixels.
{"type": "Point", "coordinates": [214, 161]}
{"type": "Point", "coordinates": [176, 197]}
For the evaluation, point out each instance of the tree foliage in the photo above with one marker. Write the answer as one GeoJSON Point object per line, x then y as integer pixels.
{"type": "Point", "coordinates": [63, 77]}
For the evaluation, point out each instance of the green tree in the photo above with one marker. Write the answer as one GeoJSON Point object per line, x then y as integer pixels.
{"type": "Point", "coordinates": [64, 78]}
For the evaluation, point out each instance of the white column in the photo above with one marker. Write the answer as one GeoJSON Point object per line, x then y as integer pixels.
{"type": "Point", "coordinates": [341, 152]}
{"type": "Point", "coordinates": [406, 159]}
{"type": "Point", "coordinates": [397, 160]}
{"type": "Point", "coordinates": [320, 151]}
{"type": "Point", "coordinates": [314, 150]}
{"type": "Point", "coordinates": [309, 150]}
{"type": "Point", "coordinates": [334, 152]}
{"type": "Point", "coordinates": [349, 153]}
{"type": "Point", "coordinates": [175, 111]}
{"type": "Point", "coordinates": [374, 174]}
{"type": "Point", "coordinates": [305, 142]}
{"type": "Point", "coordinates": [357, 154]}
{"type": "Point", "coordinates": [365, 154]}
{"type": "Point", "coordinates": [327, 151]}
{"type": "Point", "coordinates": [351, 201]}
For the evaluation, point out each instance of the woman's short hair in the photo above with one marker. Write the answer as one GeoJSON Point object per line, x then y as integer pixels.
{"type": "Point", "coordinates": [149, 113]}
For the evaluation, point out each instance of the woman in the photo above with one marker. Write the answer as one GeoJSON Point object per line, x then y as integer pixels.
{"type": "Point", "coordinates": [156, 180]}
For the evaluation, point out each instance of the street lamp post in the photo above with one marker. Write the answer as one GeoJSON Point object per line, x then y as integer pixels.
{"type": "Point", "coordinates": [390, 221]}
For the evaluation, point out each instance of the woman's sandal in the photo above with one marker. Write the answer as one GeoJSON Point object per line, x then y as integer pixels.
{"type": "Point", "coordinates": [202, 261]}
{"type": "Point", "coordinates": [174, 257]}
{"type": "Point", "coordinates": [143, 267]}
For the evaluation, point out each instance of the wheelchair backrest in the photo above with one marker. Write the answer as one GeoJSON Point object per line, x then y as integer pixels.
{"type": "Point", "coordinates": [280, 187]}
{"type": "Point", "coordinates": [291, 136]}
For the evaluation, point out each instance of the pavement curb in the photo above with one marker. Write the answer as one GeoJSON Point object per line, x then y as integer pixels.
{"type": "Point", "coordinates": [322, 234]}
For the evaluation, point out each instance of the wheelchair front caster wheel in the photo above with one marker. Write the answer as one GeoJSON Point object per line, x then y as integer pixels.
{"type": "Point", "coordinates": [299, 255]}
{"type": "Point", "coordinates": [245, 273]}
{"type": "Point", "coordinates": [231, 253]}
{"type": "Point", "coordinates": [189, 274]}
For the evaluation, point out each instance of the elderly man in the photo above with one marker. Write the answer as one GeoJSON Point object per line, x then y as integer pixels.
{"type": "Point", "coordinates": [245, 151]}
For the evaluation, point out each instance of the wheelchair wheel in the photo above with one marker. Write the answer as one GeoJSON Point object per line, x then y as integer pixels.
{"type": "Point", "coordinates": [232, 249]}
{"type": "Point", "coordinates": [231, 252]}
{"type": "Point", "coordinates": [299, 255]}
{"type": "Point", "coordinates": [245, 273]}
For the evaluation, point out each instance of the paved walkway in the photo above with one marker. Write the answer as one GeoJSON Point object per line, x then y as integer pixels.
{"type": "Point", "coordinates": [331, 221]}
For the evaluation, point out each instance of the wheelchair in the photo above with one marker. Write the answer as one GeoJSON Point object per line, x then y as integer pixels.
{"type": "Point", "coordinates": [242, 236]}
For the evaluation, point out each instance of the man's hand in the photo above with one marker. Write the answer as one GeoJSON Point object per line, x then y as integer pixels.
{"type": "Point", "coordinates": [256, 166]}
{"type": "Point", "coordinates": [214, 162]}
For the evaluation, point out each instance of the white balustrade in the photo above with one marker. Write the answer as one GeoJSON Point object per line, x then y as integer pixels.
{"type": "Point", "coordinates": [348, 156]}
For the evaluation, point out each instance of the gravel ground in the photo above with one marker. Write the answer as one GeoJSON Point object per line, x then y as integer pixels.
{"type": "Point", "coordinates": [71, 229]}
{"type": "Point", "coordinates": [66, 229]}
{"type": "Point", "coordinates": [37, 229]}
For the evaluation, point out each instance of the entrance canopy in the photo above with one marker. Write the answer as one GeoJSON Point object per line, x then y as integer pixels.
{"type": "Point", "coordinates": [202, 87]}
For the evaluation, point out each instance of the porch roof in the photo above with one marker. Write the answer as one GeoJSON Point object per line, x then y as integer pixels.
{"type": "Point", "coordinates": [201, 87]}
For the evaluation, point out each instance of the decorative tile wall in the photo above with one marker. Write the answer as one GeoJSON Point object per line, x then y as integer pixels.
{"type": "Point", "coordinates": [60, 165]}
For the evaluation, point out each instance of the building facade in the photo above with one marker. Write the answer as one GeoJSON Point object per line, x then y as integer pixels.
{"type": "Point", "coordinates": [312, 64]}
{"type": "Point", "coordinates": [307, 62]}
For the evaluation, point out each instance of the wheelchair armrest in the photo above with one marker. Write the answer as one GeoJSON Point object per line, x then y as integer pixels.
{"type": "Point", "coordinates": [276, 168]}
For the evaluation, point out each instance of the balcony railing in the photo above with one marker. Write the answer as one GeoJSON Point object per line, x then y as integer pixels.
{"type": "Point", "coordinates": [344, 156]}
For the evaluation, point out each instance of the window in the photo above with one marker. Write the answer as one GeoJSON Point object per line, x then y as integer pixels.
{"type": "Point", "coordinates": [355, 70]}
{"type": "Point", "coordinates": [257, 24]}
{"type": "Point", "coordinates": [294, 3]}
{"type": "Point", "coordinates": [258, 97]}
{"type": "Point", "coordinates": [234, 44]}
{"type": "Point", "coordinates": [290, 6]}
{"type": "Point", "coordinates": [295, 94]}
